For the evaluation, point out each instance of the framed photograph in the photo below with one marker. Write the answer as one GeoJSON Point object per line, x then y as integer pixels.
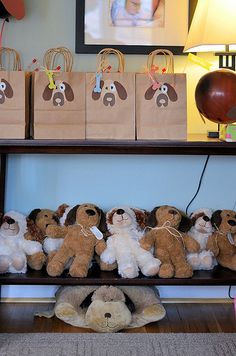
{"type": "Point", "coordinates": [132, 26]}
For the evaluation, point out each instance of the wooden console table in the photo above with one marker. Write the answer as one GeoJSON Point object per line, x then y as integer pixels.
{"type": "Point", "coordinates": [195, 145]}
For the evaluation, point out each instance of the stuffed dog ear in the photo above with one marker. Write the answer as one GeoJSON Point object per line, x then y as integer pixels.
{"type": "Point", "coordinates": [47, 93]}
{"type": "Point", "coordinates": [171, 92]}
{"type": "Point", "coordinates": [102, 225]}
{"type": "Point", "coordinates": [216, 218]}
{"type": "Point", "coordinates": [8, 91]}
{"type": "Point", "coordinates": [71, 216]}
{"type": "Point", "coordinates": [34, 231]}
{"type": "Point", "coordinates": [149, 94]}
{"type": "Point", "coordinates": [96, 95]}
{"type": "Point", "coordinates": [122, 93]}
{"type": "Point", "coordinates": [185, 223]}
{"type": "Point", "coordinates": [87, 301]}
{"type": "Point", "coordinates": [61, 210]}
{"type": "Point", "coordinates": [130, 305]}
{"type": "Point", "coordinates": [33, 214]}
{"type": "Point", "coordinates": [141, 218]}
{"type": "Point", "coordinates": [152, 220]}
{"type": "Point", "coordinates": [69, 94]}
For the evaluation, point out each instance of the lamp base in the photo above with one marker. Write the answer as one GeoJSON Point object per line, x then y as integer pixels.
{"type": "Point", "coordinates": [213, 134]}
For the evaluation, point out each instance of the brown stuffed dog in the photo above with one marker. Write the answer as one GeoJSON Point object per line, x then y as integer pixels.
{"type": "Point", "coordinates": [169, 243]}
{"type": "Point", "coordinates": [223, 242]}
{"type": "Point", "coordinates": [37, 222]}
{"type": "Point", "coordinates": [83, 237]}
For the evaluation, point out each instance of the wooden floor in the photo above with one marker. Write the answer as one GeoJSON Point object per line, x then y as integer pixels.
{"type": "Point", "coordinates": [184, 318]}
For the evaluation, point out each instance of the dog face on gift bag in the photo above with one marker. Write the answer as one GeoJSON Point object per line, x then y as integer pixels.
{"type": "Point", "coordinates": [63, 92]}
{"type": "Point", "coordinates": [109, 91]}
{"type": "Point", "coordinates": [5, 91]}
{"type": "Point", "coordinates": [165, 92]}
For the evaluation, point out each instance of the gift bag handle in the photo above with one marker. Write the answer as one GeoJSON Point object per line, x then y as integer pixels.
{"type": "Point", "coordinates": [51, 56]}
{"type": "Point", "coordinates": [169, 59]}
{"type": "Point", "coordinates": [14, 61]}
{"type": "Point", "coordinates": [102, 59]}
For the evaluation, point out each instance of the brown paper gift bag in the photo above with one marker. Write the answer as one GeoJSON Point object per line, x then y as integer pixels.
{"type": "Point", "coordinates": [59, 112]}
{"type": "Point", "coordinates": [14, 101]}
{"type": "Point", "coordinates": [110, 100]}
{"type": "Point", "coordinates": [161, 101]}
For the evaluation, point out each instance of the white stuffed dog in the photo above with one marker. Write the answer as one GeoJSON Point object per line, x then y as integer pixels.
{"type": "Point", "coordinates": [126, 226]}
{"type": "Point", "coordinates": [13, 247]}
{"type": "Point", "coordinates": [201, 230]}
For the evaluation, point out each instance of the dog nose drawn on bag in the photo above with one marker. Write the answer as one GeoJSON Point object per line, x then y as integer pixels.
{"type": "Point", "coordinates": [6, 91]}
{"type": "Point", "coordinates": [62, 93]}
{"type": "Point", "coordinates": [165, 92]}
{"type": "Point", "coordinates": [109, 91]}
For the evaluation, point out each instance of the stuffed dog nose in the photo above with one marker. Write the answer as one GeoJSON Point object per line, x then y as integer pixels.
{"type": "Point", "coordinates": [90, 212]}
{"type": "Point", "coordinates": [205, 218]}
{"type": "Point", "coordinates": [107, 315]}
{"type": "Point", "coordinates": [120, 211]}
{"type": "Point", "coordinates": [231, 222]}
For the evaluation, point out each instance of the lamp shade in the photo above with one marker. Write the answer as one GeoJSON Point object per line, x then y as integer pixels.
{"type": "Point", "coordinates": [213, 26]}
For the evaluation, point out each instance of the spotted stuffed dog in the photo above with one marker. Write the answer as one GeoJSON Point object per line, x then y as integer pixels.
{"type": "Point", "coordinates": [126, 226]}
{"type": "Point", "coordinates": [201, 230]}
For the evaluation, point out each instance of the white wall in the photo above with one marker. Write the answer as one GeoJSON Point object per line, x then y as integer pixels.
{"type": "Point", "coordinates": [146, 181]}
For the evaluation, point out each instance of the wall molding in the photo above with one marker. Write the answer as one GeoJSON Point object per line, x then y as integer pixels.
{"type": "Point", "coordinates": [164, 300]}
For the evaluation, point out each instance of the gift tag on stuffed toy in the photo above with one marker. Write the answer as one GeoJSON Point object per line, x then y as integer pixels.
{"type": "Point", "coordinates": [97, 233]}
{"type": "Point", "coordinates": [230, 238]}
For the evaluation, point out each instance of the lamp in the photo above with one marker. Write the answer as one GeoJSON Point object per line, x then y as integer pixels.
{"type": "Point", "coordinates": [213, 29]}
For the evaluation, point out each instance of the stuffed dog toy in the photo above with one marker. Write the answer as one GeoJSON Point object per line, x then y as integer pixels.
{"type": "Point", "coordinates": [37, 222]}
{"type": "Point", "coordinates": [5, 91]}
{"type": "Point", "coordinates": [126, 226]}
{"type": "Point", "coordinates": [60, 95]}
{"type": "Point", "coordinates": [108, 92]}
{"type": "Point", "coordinates": [14, 248]}
{"type": "Point", "coordinates": [107, 308]}
{"type": "Point", "coordinates": [169, 243]}
{"type": "Point", "coordinates": [223, 241]}
{"type": "Point", "coordinates": [83, 237]}
{"type": "Point", "coordinates": [201, 230]}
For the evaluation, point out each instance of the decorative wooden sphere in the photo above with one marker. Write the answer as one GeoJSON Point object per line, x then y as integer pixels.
{"type": "Point", "coordinates": [215, 96]}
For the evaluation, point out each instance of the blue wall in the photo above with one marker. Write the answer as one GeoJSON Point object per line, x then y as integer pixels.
{"type": "Point", "coordinates": [108, 180]}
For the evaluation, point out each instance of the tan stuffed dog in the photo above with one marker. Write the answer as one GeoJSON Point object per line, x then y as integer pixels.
{"type": "Point", "coordinates": [107, 308]}
{"type": "Point", "coordinates": [169, 243]}
{"type": "Point", "coordinates": [37, 222]}
{"type": "Point", "coordinates": [223, 242]}
{"type": "Point", "coordinates": [82, 238]}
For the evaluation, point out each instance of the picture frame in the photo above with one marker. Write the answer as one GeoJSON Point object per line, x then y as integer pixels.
{"type": "Point", "coordinates": [84, 46]}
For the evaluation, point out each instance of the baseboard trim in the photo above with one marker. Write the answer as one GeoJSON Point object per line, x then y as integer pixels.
{"type": "Point", "coordinates": [164, 300]}
{"type": "Point", "coordinates": [28, 300]}
{"type": "Point", "coordinates": [197, 300]}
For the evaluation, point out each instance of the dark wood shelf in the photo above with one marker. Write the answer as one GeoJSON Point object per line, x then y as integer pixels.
{"type": "Point", "coordinates": [194, 145]}
{"type": "Point", "coordinates": [217, 276]}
